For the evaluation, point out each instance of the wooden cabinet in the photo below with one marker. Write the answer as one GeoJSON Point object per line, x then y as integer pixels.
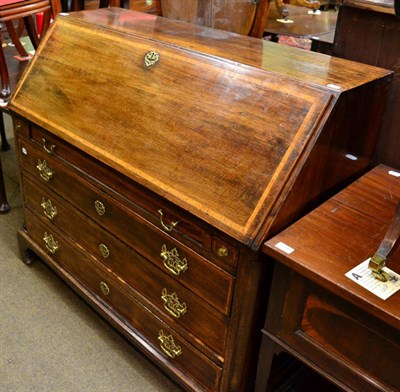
{"type": "Point", "coordinates": [159, 157]}
{"type": "Point", "coordinates": [320, 316]}
{"type": "Point", "coordinates": [368, 31]}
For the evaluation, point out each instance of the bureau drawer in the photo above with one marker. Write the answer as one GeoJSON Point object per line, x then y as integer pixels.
{"type": "Point", "coordinates": [173, 350]}
{"type": "Point", "coordinates": [184, 310]}
{"type": "Point", "coordinates": [192, 270]}
{"type": "Point", "coordinates": [168, 220]}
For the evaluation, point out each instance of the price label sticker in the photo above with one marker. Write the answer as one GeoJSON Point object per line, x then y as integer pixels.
{"type": "Point", "coordinates": [285, 248]}
{"type": "Point", "coordinates": [363, 276]}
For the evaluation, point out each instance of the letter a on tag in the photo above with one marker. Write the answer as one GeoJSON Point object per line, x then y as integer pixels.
{"type": "Point", "coordinates": [356, 276]}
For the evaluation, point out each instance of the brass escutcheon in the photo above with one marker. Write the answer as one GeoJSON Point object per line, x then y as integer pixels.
{"type": "Point", "coordinates": [222, 252]}
{"type": "Point", "coordinates": [164, 226]}
{"type": "Point", "coordinates": [48, 209]}
{"type": "Point", "coordinates": [105, 252]}
{"type": "Point", "coordinates": [151, 58]}
{"type": "Point", "coordinates": [168, 345]}
{"type": "Point", "coordinates": [100, 208]}
{"type": "Point", "coordinates": [45, 171]}
{"type": "Point", "coordinates": [49, 149]}
{"type": "Point", "coordinates": [104, 288]}
{"type": "Point", "coordinates": [172, 260]}
{"type": "Point", "coordinates": [172, 304]}
{"type": "Point", "coordinates": [51, 244]}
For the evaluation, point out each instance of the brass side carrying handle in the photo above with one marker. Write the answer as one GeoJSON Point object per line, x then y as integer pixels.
{"type": "Point", "coordinates": [169, 227]}
{"type": "Point", "coordinates": [384, 252]}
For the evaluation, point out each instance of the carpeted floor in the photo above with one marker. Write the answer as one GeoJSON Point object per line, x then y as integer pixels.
{"type": "Point", "coordinates": [50, 340]}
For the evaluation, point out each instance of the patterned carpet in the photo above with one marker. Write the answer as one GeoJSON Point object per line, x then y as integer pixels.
{"type": "Point", "coordinates": [302, 43]}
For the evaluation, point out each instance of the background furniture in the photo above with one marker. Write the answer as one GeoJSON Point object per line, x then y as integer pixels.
{"type": "Point", "coordinates": [316, 313]}
{"type": "Point", "coordinates": [4, 207]}
{"type": "Point", "coordinates": [10, 12]}
{"type": "Point", "coordinates": [244, 17]}
{"type": "Point", "coordinates": [368, 31]}
{"type": "Point", "coordinates": [155, 209]}
{"type": "Point", "coordinates": [304, 25]}
{"type": "Point", "coordinates": [25, 10]}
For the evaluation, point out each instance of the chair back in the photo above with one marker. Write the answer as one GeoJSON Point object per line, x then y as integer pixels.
{"type": "Point", "coordinates": [247, 17]}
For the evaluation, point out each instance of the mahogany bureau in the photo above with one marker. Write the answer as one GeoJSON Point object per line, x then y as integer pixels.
{"type": "Point", "coordinates": [157, 156]}
{"type": "Point", "coordinates": [319, 315]}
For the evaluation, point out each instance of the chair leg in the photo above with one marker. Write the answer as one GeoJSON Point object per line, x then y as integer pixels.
{"type": "Point", "coordinates": [15, 39]}
{"type": "Point", "coordinates": [4, 206]}
{"type": "Point", "coordinates": [5, 81]}
{"type": "Point", "coordinates": [31, 30]}
{"type": "Point", "coordinates": [4, 143]}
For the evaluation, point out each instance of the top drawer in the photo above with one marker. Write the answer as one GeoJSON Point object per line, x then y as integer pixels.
{"type": "Point", "coordinates": [169, 219]}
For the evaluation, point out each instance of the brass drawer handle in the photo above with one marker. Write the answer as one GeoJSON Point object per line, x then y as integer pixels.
{"type": "Point", "coordinates": [49, 149]}
{"type": "Point", "coordinates": [48, 209]}
{"type": "Point", "coordinates": [172, 261]}
{"type": "Point", "coordinates": [166, 227]}
{"type": "Point", "coordinates": [45, 171]}
{"type": "Point", "coordinates": [51, 244]}
{"type": "Point", "coordinates": [105, 252]}
{"type": "Point", "coordinates": [149, 2]}
{"type": "Point", "coordinates": [100, 208]}
{"type": "Point", "coordinates": [172, 304]}
{"type": "Point", "coordinates": [104, 288]}
{"type": "Point", "coordinates": [168, 345]}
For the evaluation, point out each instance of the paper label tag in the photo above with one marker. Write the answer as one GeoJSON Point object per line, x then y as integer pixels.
{"type": "Point", "coordinates": [363, 276]}
{"type": "Point", "coordinates": [334, 86]}
{"type": "Point", "coordinates": [286, 248]}
{"type": "Point", "coordinates": [284, 21]}
{"type": "Point", "coordinates": [394, 173]}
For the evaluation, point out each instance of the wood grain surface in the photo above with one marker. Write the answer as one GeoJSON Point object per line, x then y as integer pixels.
{"type": "Point", "coordinates": [189, 117]}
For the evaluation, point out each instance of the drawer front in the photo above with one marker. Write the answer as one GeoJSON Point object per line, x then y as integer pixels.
{"type": "Point", "coordinates": [181, 308]}
{"type": "Point", "coordinates": [171, 347]}
{"type": "Point", "coordinates": [335, 334]}
{"type": "Point", "coordinates": [167, 220]}
{"type": "Point", "coordinates": [192, 270]}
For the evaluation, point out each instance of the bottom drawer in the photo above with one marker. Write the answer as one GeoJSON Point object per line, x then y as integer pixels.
{"type": "Point", "coordinates": [174, 351]}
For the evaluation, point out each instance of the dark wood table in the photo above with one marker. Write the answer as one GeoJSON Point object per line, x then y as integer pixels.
{"type": "Point", "coordinates": [320, 316]}
{"type": "Point", "coordinates": [304, 25]}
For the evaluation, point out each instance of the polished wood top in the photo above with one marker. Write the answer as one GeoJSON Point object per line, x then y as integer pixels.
{"type": "Point", "coordinates": [342, 233]}
{"type": "Point", "coordinates": [221, 139]}
{"type": "Point", "coordinates": [283, 60]}
{"type": "Point", "coordinates": [303, 24]}
{"type": "Point", "coordinates": [385, 6]}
